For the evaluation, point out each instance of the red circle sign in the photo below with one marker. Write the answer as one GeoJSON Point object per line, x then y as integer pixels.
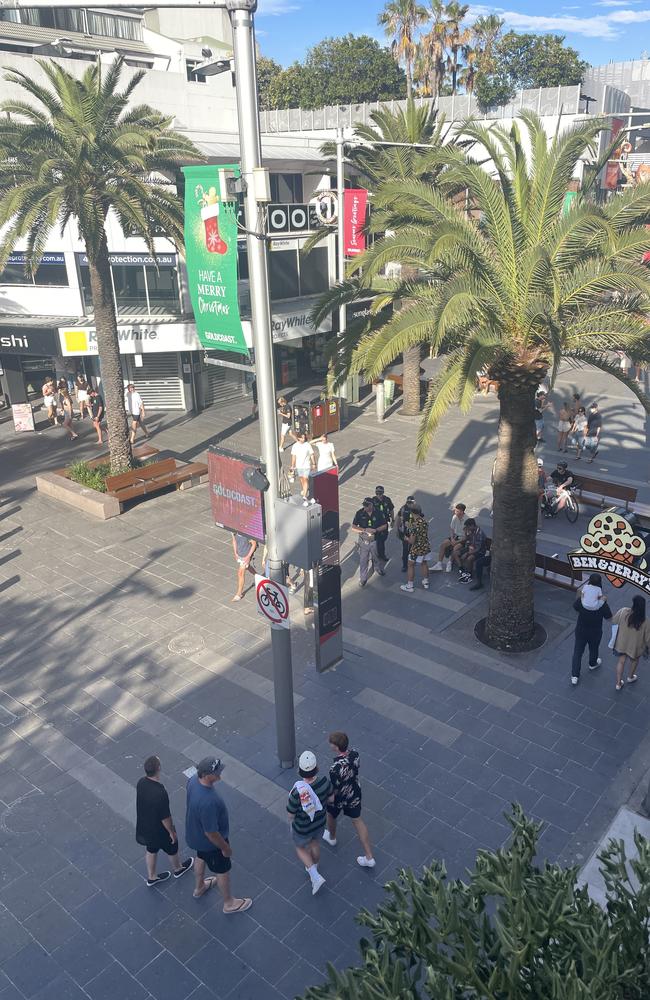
{"type": "Point", "coordinates": [272, 602]}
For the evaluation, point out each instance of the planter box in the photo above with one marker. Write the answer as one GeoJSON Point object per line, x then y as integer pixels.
{"type": "Point", "coordinates": [56, 485]}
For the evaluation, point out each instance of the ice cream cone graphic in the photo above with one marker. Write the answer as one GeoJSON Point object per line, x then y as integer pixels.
{"type": "Point", "coordinates": [612, 537]}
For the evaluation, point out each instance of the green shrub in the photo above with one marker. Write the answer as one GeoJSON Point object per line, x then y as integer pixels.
{"type": "Point", "coordinates": [93, 479]}
{"type": "Point", "coordinates": [513, 931]}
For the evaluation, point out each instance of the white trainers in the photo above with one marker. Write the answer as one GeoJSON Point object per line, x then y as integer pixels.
{"type": "Point", "coordinates": [406, 587]}
{"type": "Point", "coordinates": [366, 862]}
{"type": "Point", "coordinates": [317, 883]}
{"type": "Point", "coordinates": [449, 565]}
{"type": "Point", "coordinates": [329, 839]}
{"type": "Point", "coordinates": [596, 664]}
{"type": "Point", "coordinates": [574, 680]}
{"type": "Point", "coordinates": [437, 568]}
{"type": "Point", "coordinates": [425, 584]}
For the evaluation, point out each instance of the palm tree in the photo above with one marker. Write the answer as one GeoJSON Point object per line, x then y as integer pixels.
{"type": "Point", "coordinates": [432, 50]}
{"type": "Point", "coordinates": [401, 20]}
{"type": "Point", "coordinates": [467, 75]}
{"type": "Point", "coordinates": [456, 38]}
{"type": "Point", "coordinates": [423, 133]}
{"type": "Point", "coordinates": [79, 153]}
{"type": "Point", "coordinates": [486, 31]}
{"type": "Point", "coordinates": [513, 293]}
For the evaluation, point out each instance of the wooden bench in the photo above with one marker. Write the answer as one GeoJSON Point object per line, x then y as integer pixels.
{"type": "Point", "coordinates": [558, 572]}
{"type": "Point", "coordinates": [601, 491]}
{"type": "Point", "coordinates": [152, 478]}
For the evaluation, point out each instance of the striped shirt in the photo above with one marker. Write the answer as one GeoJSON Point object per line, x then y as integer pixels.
{"type": "Point", "coordinates": [301, 823]}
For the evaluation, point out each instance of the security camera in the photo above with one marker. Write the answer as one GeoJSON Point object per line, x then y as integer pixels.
{"type": "Point", "coordinates": [206, 52]}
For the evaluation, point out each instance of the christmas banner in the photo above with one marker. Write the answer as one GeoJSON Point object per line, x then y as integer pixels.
{"type": "Point", "coordinates": [355, 201]}
{"type": "Point", "coordinates": [211, 258]}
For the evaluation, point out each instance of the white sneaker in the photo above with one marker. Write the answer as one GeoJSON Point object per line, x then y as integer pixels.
{"type": "Point", "coordinates": [596, 664]}
{"type": "Point", "coordinates": [449, 565]}
{"type": "Point", "coordinates": [317, 883]}
{"type": "Point", "coordinates": [574, 680]}
{"type": "Point", "coordinates": [437, 568]}
{"type": "Point", "coordinates": [329, 839]}
{"type": "Point", "coordinates": [425, 584]}
{"type": "Point", "coordinates": [366, 862]}
{"type": "Point", "coordinates": [407, 588]}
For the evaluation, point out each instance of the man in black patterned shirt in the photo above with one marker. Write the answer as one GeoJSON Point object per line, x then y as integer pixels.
{"type": "Point", "coordinates": [344, 777]}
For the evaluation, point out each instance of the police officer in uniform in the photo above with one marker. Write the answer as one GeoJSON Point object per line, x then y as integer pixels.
{"type": "Point", "coordinates": [404, 529]}
{"type": "Point", "coordinates": [386, 510]}
{"type": "Point", "coordinates": [367, 521]}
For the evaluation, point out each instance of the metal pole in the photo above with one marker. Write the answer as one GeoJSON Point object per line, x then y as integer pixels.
{"type": "Point", "coordinates": [241, 16]}
{"type": "Point", "coordinates": [340, 257]}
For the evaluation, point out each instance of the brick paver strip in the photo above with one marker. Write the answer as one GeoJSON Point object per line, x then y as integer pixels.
{"type": "Point", "coordinates": [411, 717]}
{"type": "Point", "coordinates": [429, 668]}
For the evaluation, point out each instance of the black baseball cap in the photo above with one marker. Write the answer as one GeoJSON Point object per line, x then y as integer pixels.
{"type": "Point", "coordinates": [410, 499]}
{"type": "Point", "coordinates": [379, 489]}
{"type": "Point", "coordinates": [209, 765]}
{"type": "Point", "coordinates": [368, 502]}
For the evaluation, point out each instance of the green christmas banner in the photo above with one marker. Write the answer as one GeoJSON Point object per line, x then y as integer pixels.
{"type": "Point", "coordinates": [211, 258]}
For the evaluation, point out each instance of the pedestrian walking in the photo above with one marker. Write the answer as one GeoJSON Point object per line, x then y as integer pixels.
{"type": "Point", "coordinates": [97, 411]}
{"type": "Point", "coordinates": [68, 413]}
{"type": "Point", "coordinates": [50, 399]}
{"type": "Point", "coordinates": [154, 826]}
{"type": "Point", "coordinates": [473, 545]}
{"type": "Point", "coordinates": [344, 777]}
{"type": "Point", "coordinates": [419, 550]}
{"type": "Point", "coordinates": [244, 550]}
{"type": "Point", "coordinates": [306, 808]}
{"type": "Point", "coordinates": [456, 532]}
{"type": "Point", "coordinates": [386, 510]}
{"type": "Point", "coordinates": [577, 432]}
{"type": "Point", "coordinates": [81, 387]}
{"type": "Point", "coordinates": [207, 831]}
{"type": "Point", "coordinates": [365, 524]}
{"type": "Point", "coordinates": [591, 440]}
{"type": "Point", "coordinates": [303, 462]}
{"type": "Point", "coordinates": [403, 529]}
{"type": "Point", "coordinates": [563, 426]}
{"type": "Point", "coordinates": [284, 412]}
{"type": "Point", "coordinates": [589, 625]}
{"type": "Point", "coordinates": [539, 419]}
{"type": "Point", "coordinates": [576, 403]}
{"type": "Point", "coordinates": [134, 405]}
{"type": "Point", "coordinates": [632, 638]}
{"type": "Point", "coordinates": [326, 455]}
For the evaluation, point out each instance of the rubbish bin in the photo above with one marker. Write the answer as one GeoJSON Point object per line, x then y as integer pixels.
{"type": "Point", "coordinates": [314, 416]}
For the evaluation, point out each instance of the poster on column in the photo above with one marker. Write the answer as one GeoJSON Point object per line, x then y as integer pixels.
{"type": "Point", "coordinates": [354, 219]}
{"type": "Point", "coordinates": [211, 258]}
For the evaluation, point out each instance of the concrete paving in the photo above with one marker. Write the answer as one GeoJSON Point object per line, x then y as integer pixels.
{"type": "Point", "coordinates": [119, 637]}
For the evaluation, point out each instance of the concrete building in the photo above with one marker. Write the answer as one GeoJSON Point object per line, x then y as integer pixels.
{"type": "Point", "coordinates": [46, 323]}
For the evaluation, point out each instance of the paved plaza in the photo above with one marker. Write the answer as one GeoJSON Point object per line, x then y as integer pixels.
{"type": "Point", "coordinates": [118, 637]}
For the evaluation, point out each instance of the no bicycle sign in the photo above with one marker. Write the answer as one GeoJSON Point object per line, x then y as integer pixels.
{"type": "Point", "coordinates": [272, 601]}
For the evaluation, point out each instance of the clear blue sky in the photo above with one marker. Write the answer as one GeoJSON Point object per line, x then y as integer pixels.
{"type": "Point", "coordinates": [601, 30]}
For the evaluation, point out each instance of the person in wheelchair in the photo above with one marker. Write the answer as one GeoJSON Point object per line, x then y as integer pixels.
{"type": "Point", "coordinates": [558, 487]}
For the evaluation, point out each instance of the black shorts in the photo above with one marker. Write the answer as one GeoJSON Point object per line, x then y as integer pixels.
{"type": "Point", "coordinates": [352, 812]}
{"type": "Point", "coordinates": [136, 418]}
{"type": "Point", "coordinates": [215, 861]}
{"type": "Point", "coordinates": [161, 844]}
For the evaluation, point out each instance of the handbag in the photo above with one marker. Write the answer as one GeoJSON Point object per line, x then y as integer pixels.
{"type": "Point", "coordinates": [612, 642]}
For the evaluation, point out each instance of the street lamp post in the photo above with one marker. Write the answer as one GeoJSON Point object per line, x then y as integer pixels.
{"type": "Point", "coordinates": [241, 12]}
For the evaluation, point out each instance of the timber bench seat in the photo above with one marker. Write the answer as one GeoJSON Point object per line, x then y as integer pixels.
{"type": "Point", "coordinates": [558, 572]}
{"type": "Point", "coordinates": [153, 478]}
{"type": "Point", "coordinates": [599, 491]}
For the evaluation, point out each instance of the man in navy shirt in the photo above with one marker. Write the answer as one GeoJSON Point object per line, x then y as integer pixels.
{"type": "Point", "coordinates": [207, 831]}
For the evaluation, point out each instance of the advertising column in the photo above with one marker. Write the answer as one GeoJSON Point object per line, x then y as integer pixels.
{"type": "Point", "coordinates": [211, 258]}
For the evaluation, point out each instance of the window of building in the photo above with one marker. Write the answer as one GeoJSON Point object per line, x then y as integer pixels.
{"type": "Point", "coordinates": [314, 272]}
{"type": "Point", "coordinates": [286, 189]}
{"type": "Point", "coordinates": [162, 285]}
{"type": "Point", "coordinates": [129, 286]}
{"type": "Point", "coordinates": [283, 275]}
{"type": "Point", "coordinates": [145, 289]}
{"type": "Point", "coordinates": [80, 20]}
{"type": "Point", "coordinates": [193, 77]}
{"type": "Point", "coordinates": [114, 26]}
{"type": "Point", "coordinates": [52, 271]}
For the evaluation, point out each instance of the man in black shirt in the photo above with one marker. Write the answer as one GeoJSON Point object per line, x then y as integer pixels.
{"type": "Point", "coordinates": [556, 495]}
{"type": "Point", "coordinates": [97, 410]}
{"type": "Point", "coordinates": [154, 827]}
{"type": "Point", "coordinates": [386, 510]}
{"type": "Point", "coordinates": [366, 523]}
{"type": "Point", "coordinates": [592, 432]}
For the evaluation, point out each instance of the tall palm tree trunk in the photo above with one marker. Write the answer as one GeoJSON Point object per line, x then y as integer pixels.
{"type": "Point", "coordinates": [409, 81]}
{"type": "Point", "coordinates": [511, 613]}
{"type": "Point", "coordinates": [411, 385]}
{"type": "Point", "coordinates": [109, 358]}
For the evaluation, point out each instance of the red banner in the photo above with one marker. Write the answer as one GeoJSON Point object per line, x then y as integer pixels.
{"type": "Point", "coordinates": [355, 201]}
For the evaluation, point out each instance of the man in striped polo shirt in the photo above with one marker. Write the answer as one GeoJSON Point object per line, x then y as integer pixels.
{"type": "Point", "coordinates": [306, 809]}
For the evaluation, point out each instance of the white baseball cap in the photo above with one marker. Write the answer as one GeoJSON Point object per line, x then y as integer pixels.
{"type": "Point", "coordinates": [540, 461]}
{"type": "Point", "coordinates": [307, 761]}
